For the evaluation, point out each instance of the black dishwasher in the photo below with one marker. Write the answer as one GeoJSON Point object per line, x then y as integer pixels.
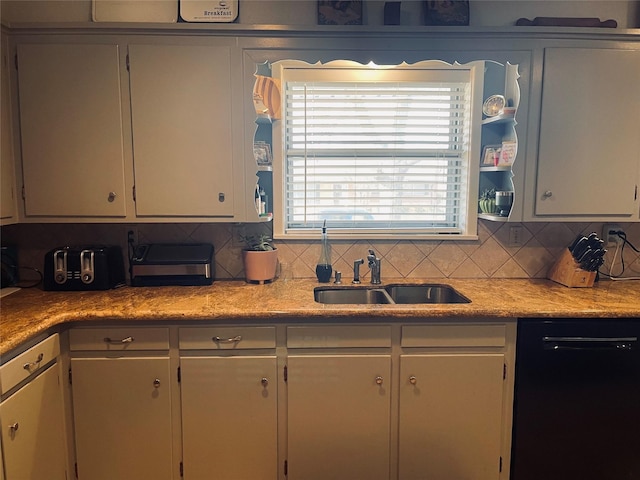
{"type": "Point", "coordinates": [577, 400]}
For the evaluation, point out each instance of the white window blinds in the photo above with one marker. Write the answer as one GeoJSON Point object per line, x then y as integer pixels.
{"type": "Point", "coordinates": [376, 151]}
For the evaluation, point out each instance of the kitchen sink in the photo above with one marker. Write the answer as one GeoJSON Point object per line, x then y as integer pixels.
{"type": "Point", "coordinates": [351, 295]}
{"type": "Point", "coordinates": [425, 293]}
{"type": "Point", "coordinates": [391, 294]}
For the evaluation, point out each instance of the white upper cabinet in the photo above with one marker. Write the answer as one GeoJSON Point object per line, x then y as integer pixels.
{"type": "Point", "coordinates": [182, 138]}
{"type": "Point", "coordinates": [589, 147]}
{"type": "Point", "coordinates": [7, 188]}
{"type": "Point", "coordinates": [71, 130]}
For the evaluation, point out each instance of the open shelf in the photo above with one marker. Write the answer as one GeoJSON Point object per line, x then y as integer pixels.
{"type": "Point", "coordinates": [499, 132]}
{"type": "Point", "coordinates": [499, 119]}
{"type": "Point", "coordinates": [499, 168]}
{"type": "Point", "coordinates": [493, 217]}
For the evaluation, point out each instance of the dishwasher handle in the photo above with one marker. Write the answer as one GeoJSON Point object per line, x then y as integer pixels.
{"type": "Point", "coordinates": [589, 343]}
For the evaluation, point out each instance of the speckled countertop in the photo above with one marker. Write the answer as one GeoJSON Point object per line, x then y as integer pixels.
{"type": "Point", "coordinates": [29, 312]}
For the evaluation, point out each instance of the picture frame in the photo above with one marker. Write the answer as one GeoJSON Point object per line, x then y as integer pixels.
{"type": "Point", "coordinates": [339, 13]}
{"type": "Point", "coordinates": [262, 154]}
{"type": "Point", "coordinates": [452, 13]}
{"type": "Point", "coordinates": [507, 153]}
{"type": "Point", "coordinates": [491, 155]}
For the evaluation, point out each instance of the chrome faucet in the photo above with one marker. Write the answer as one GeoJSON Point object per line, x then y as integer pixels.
{"type": "Point", "coordinates": [374, 265]}
{"type": "Point", "coordinates": [356, 270]}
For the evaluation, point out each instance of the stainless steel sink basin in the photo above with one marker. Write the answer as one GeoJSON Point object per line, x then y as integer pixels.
{"type": "Point", "coordinates": [391, 294]}
{"type": "Point", "coordinates": [351, 295]}
{"type": "Point", "coordinates": [425, 293]}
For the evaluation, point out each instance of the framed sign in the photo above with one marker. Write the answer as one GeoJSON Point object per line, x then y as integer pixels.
{"type": "Point", "coordinates": [454, 12]}
{"type": "Point", "coordinates": [339, 13]}
{"type": "Point", "coordinates": [507, 153]}
{"type": "Point", "coordinates": [209, 11]}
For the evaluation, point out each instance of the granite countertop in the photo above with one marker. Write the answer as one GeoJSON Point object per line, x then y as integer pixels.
{"type": "Point", "coordinates": [30, 312]}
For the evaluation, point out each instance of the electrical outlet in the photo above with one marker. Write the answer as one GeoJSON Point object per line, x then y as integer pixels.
{"type": "Point", "coordinates": [515, 236]}
{"type": "Point", "coordinates": [132, 236]}
{"type": "Point", "coordinates": [611, 239]}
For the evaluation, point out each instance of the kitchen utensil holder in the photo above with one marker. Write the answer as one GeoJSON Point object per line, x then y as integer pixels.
{"type": "Point", "coordinates": [567, 271]}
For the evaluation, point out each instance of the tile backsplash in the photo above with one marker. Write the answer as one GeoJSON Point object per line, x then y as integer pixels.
{"type": "Point", "coordinates": [491, 256]}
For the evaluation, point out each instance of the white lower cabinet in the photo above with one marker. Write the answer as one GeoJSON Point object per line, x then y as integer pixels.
{"type": "Point", "coordinates": [122, 413]}
{"type": "Point", "coordinates": [312, 401]}
{"type": "Point", "coordinates": [122, 404]}
{"type": "Point", "coordinates": [33, 439]}
{"type": "Point", "coordinates": [338, 415]}
{"type": "Point", "coordinates": [454, 408]}
{"type": "Point", "coordinates": [229, 397]}
{"type": "Point", "coordinates": [33, 435]}
{"type": "Point", "coordinates": [339, 391]}
{"type": "Point", "coordinates": [229, 417]}
{"type": "Point", "coordinates": [450, 416]}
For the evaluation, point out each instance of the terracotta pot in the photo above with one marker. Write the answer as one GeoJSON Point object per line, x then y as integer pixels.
{"type": "Point", "coordinates": [260, 266]}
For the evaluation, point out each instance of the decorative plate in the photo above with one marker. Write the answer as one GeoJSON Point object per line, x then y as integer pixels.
{"type": "Point", "coordinates": [493, 105]}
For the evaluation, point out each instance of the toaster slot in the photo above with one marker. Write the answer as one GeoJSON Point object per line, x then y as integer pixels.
{"type": "Point", "coordinates": [60, 266]}
{"type": "Point", "coordinates": [87, 266]}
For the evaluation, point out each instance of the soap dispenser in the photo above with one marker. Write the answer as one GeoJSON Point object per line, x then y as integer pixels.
{"type": "Point", "coordinates": [323, 268]}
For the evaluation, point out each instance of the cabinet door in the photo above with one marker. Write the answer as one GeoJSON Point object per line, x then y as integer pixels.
{"type": "Point", "coordinates": [181, 116]}
{"type": "Point", "coordinates": [338, 417]}
{"type": "Point", "coordinates": [450, 416]}
{"type": "Point", "coordinates": [589, 149]}
{"type": "Point", "coordinates": [35, 447]}
{"type": "Point", "coordinates": [229, 417]}
{"type": "Point", "coordinates": [71, 127]}
{"type": "Point", "coordinates": [7, 201]}
{"type": "Point", "coordinates": [122, 413]}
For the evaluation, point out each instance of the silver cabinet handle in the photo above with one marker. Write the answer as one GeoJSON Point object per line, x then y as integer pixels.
{"type": "Point", "coordinates": [156, 383]}
{"type": "Point", "coordinates": [235, 339]}
{"type": "Point", "coordinates": [111, 197]}
{"type": "Point", "coordinates": [29, 365]}
{"type": "Point", "coordinates": [14, 427]}
{"type": "Point", "coordinates": [118, 342]}
{"type": "Point", "coordinates": [547, 194]}
{"type": "Point", "coordinates": [413, 380]}
{"type": "Point", "coordinates": [264, 381]}
{"type": "Point", "coordinates": [379, 380]}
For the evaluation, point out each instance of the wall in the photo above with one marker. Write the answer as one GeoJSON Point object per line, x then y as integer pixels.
{"type": "Point", "coordinates": [303, 12]}
{"type": "Point", "coordinates": [490, 256]}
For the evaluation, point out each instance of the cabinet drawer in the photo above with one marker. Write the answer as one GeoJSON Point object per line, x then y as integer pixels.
{"type": "Point", "coordinates": [338, 336]}
{"type": "Point", "coordinates": [28, 362]}
{"type": "Point", "coordinates": [227, 338]}
{"type": "Point", "coordinates": [119, 339]}
{"type": "Point", "coordinates": [454, 336]}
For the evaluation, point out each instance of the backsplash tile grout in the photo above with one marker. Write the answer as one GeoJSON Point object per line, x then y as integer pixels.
{"type": "Point", "coordinates": [488, 257]}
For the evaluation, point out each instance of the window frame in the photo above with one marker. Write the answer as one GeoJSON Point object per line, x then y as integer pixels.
{"type": "Point", "coordinates": [468, 218]}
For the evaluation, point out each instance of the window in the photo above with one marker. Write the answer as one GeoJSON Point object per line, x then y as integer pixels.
{"type": "Point", "coordinates": [377, 151]}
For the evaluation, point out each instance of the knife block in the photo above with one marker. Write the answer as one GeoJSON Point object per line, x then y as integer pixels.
{"type": "Point", "coordinates": [567, 272]}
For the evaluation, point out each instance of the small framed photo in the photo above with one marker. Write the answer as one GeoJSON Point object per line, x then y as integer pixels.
{"type": "Point", "coordinates": [339, 13]}
{"type": "Point", "coordinates": [491, 155]}
{"type": "Point", "coordinates": [262, 153]}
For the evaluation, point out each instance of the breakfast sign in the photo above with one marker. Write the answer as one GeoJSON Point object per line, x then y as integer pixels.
{"type": "Point", "coordinates": [209, 10]}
